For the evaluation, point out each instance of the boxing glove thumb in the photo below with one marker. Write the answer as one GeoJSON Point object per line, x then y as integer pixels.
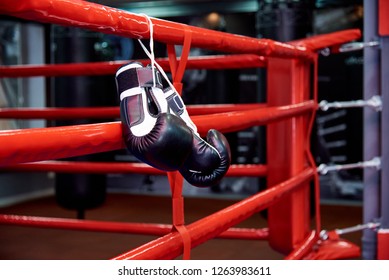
{"type": "Point", "coordinates": [209, 160]}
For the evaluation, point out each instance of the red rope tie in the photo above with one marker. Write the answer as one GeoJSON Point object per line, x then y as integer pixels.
{"type": "Point", "coordinates": [175, 179]}
{"type": "Point", "coordinates": [178, 68]}
{"type": "Point", "coordinates": [176, 183]}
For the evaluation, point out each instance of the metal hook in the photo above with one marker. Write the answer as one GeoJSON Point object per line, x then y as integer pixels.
{"type": "Point", "coordinates": [351, 47]}
{"type": "Point", "coordinates": [324, 234]}
{"type": "Point", "coordinates": [374, 102]}
{"type": "Point", "coordinates": [356, 46]}
{"type": "Point", "coordinates": [324, 168]}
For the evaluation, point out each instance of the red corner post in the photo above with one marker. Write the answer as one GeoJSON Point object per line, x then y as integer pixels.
{"type": "Point", "coordinates": [288, 82]}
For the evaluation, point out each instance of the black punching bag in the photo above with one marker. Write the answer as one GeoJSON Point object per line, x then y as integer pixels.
{"type": "Point", "coordinates": [79, 191]}
{"type": "Point", "coordinates": [285, 20]}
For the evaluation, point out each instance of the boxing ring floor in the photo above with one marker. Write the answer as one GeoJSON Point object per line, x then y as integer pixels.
{"type": "Point", "coordinates": [40, 243]}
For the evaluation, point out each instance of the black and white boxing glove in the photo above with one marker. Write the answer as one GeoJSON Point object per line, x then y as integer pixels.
{"type": "Point", "coordinates": [209, 160]}
{"type": "Point", "coordinates": [150, 133]}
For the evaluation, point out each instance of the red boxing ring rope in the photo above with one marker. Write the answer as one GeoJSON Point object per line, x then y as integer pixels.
{"type": "Point", "coordinates": [248, 170]}
{"type": "Point", "coordinates": [114, 21]}
{"type": "Point", "coordinates": [120, 227]}
{"type": "Point", "coordinates": [106, 68]}
{"type": "Point", "coordinates": [288, 115]}
{"type": "Point", "coordinates": [69, 141]}
{"type": "Point", "coordinates": [170, 246]}
{"type": "Point", "coordinates": [109, 112]}
{"type": "Point", "coordinates": [334, 39]}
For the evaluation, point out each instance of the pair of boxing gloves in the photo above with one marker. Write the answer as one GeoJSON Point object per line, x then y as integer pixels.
{"type": "Point", "coordinates": [157, 129]}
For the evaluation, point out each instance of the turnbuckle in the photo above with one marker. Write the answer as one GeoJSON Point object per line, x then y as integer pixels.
{"type": "Point", "coordinates": [323, 168]}
{"type": "Point", "coordinates": [351, 47]}
{"type": "Point", "coordinates": [374, 102]}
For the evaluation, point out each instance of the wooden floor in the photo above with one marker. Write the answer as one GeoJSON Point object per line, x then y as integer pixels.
{"type": "Point", "coordinates": [32, 243]}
